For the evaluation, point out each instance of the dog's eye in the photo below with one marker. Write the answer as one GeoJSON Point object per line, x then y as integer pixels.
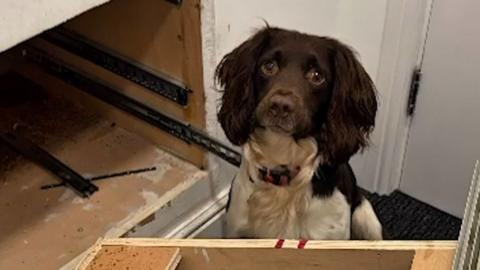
{"type": "Point", "coordinates": [269, 68]}
{"type": "Point", "coordinates": [315, 77]}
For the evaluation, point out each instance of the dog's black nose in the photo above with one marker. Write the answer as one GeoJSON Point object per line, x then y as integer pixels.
{"type": "Point", "coordinates": [281, 105]}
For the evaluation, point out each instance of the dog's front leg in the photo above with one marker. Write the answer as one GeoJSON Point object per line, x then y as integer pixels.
{"type": "Point", "coordinates": [365, 223]}
{"type": "Point", "coordinates": [237, 213]}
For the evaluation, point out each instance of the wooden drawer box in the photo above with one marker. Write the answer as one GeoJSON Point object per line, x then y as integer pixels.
{"type": "Point", "coordinates": [157, 36]}
{"type": "Point", "coordinates": [136, 253]}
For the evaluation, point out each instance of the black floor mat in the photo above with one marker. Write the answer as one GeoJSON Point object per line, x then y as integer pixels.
{"type": "Point", "coordinates": [406, 218]}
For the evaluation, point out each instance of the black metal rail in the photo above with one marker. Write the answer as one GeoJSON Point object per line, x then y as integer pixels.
{"type": "Point", "coordinates": [108, 94]}
{"type": "Point", "coordinates": [49, 162]}
{"type": "Point", "coordinates": [105, 176]}
{"type": "Point", "coordinates": [118, 64]}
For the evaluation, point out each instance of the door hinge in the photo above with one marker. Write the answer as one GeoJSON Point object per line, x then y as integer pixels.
{"type": "Point", "coordinates": [414, 86]}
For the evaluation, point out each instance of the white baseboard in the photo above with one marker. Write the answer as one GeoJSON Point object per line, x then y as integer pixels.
{"type": "Point", "coordinates": [194, 222]}
{"type": "Point", "coordinates": [210, 221]}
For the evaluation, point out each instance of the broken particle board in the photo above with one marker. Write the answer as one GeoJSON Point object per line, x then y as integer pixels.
{"type": "Point", "coordinates": [124, 257]}
{"type": "Point", "coordinates": [261, 254]}
{"type": "Point", "coordinates": [44, 229]}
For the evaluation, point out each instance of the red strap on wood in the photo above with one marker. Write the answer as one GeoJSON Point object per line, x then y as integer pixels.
{"type": "Point", "coordinates": [279, 243]}
{"type": "Point", "coordinates": [302, 243]}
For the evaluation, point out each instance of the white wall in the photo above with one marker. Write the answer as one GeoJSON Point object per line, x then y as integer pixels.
{"type": "Point", "coordinates": [360, 24]}
{"type": "Point", "coordinates": [23, 19]}
{"type": "Point", "coordinates": [357, 23]}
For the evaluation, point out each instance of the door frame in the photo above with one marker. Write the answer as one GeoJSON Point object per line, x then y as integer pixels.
{"type": "Point", "coordinates": [405, 31]}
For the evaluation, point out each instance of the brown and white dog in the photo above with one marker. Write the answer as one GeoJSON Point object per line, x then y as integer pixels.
{"type": "Point", "coordinates": [300, 106]}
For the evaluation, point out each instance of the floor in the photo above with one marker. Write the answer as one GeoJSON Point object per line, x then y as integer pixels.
{"type": "Point", "coordinates": [44, 229]}
{"type": "Point", "coordinates": [406, 218]}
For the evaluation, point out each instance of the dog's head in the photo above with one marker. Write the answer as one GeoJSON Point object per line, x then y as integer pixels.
{"type": "Point", "coordinates": [297, 84]}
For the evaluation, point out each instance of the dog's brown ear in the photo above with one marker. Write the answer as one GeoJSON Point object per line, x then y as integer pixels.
{"type": "Point", "coordinates": [235, 74]}
{"type": "Point", "coordinates": [353, 106]}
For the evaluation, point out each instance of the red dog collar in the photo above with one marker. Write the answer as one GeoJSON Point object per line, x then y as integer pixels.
{"type": "Point", "coordinates": [280, 175]}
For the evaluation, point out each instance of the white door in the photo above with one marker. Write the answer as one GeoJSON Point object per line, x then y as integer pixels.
{"type": "Point", "coordinates": [444, 139]}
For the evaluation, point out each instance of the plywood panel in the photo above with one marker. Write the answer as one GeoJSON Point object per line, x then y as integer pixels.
{"type": "Point", "coordinates": [433, 259]}
{"type": "Point", "coordinates": [271, 259]}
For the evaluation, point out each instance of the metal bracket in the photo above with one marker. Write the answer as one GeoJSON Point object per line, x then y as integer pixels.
{"type": "Point", "coordinates": [108, 94]}
{"type": "Point", "coordinates": [118, 64]}
{"type": "Point", "coordinates": [49, 162]}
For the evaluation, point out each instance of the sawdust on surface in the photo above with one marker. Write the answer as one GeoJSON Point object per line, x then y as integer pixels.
{"type": "Point", "coordinates": [27, 111]}
{"type": "Point", "coordinates": [135, 258]}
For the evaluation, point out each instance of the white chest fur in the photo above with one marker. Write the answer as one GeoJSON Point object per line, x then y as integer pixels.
{"type": "Point", "coordinates": [299, 217]}
{"type": "Point", "coordinates": [263, 210]}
